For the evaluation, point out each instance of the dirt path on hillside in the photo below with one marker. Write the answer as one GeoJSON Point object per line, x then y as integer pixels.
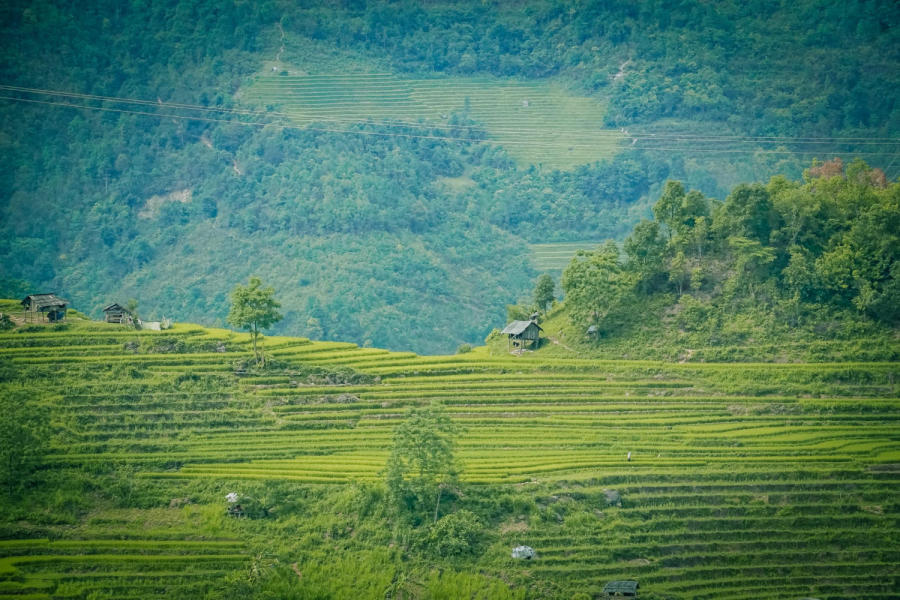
{"type": "Point", "coordinates": [280, 50]}
{"type": "Point", "coordinates": [559, 343]}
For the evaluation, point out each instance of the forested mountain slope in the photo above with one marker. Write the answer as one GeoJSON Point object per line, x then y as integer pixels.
{"type": "Point", "coordinates": [788, 271]}
{"type": "Point", "coordinates": [403, 233]}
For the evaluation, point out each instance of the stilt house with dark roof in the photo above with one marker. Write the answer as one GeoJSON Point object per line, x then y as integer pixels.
{"type": "Point", "coordinates": [116, 313]}
{"type": "Point", "coordinates": [519, 333]}
{"type": "Point", "coordinates": [46, 307]}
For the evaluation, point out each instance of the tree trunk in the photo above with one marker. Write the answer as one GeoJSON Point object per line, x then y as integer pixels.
{"type": "Point", "coordinates": [253, 334]}
{"type": "Point", "coordinates": [438, 503]}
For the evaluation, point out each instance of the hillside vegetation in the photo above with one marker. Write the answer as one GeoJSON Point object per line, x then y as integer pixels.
{"type": "Point", "coordinates": [744, 480]}
{"type": "Point", "coordinates": [167, 164]}
{"type": "Point", "coordinates": [791, 270]}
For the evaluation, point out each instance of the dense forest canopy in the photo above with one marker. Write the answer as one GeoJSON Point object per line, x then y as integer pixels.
{"type": "Point", "coordinates": [819, 256]}
{"type": "Point", "coordinates": [389, 233]}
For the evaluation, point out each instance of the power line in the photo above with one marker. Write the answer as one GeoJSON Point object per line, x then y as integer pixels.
{"type": "Point", "coordinates": [551, 145]}
{"type": "Point", "coordinates": [639, 136]}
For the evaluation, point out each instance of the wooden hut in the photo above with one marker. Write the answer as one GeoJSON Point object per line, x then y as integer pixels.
{"type": "Point", "coordinates": [116, 313]}
{"type": "Point", "coordinates": [47, 307]}
{"type": "Point", "coordinates": [613, 589]}
{"type": "Point", "coordinates": [519, 333]}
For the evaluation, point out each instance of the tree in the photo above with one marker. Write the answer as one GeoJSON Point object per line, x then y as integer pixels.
{"type": "Point", "coordinates": [752, 263]}
{"type": "Point", "coordinates": [254, 308]}
{"type": "Point", "coordinates": [645, 251]}
{"type": "Point", "coordinates": [421, 466]}
{"type": "Point", "coordinates": [594, 285]}
{"type": "Point", "coordinates": [748, 213]}
{"type": "Point", "coordinates": [667, 209]}
{"type": "Point", "coordinates": [23, 435]}
{"type": "Point", "coordinates": [544, 291]}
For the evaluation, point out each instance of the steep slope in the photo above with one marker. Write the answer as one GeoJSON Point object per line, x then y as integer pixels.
{"type": "Point", "coordinates": [153, 163]}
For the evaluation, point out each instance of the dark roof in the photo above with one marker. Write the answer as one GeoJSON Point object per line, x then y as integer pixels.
{"type": "Point", "coordinates": [621, 587]}
{"type": "Point", "coordinates": [116, 306]}
{"type": "Point", "coordinates": [44, 300]}
{"type": "Point", "coordinates": [517, 327]}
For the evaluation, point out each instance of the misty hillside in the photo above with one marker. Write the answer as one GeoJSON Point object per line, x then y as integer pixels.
{"type": "Point", "coordinates": [386, 165]}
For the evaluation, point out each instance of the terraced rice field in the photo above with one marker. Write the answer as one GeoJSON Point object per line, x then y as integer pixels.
{"type": "Point", "coordinates": [745, 480]}
{"type": "Point", "coordinates": [115, 568]}
{"type": "Point", "coordinates": [537, 122]}
{"type": "Point", "coordinates": [555, 257]}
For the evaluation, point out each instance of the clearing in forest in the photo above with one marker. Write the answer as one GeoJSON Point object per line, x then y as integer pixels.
{"type": "Point", "coordinates": [538, 123]}
{"type": "Point", "coordinates": [556, 256]}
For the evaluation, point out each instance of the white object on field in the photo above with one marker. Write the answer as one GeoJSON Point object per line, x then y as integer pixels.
{"type": "Point", "coordinates": [526, 552]}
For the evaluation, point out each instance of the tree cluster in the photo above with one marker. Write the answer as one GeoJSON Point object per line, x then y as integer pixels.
{"type": "Point", "coordinates": [794, 248]}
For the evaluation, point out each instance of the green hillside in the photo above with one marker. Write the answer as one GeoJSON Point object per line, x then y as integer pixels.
{"type": "Point", "coordinates": [537, 122]}
{"type": "Point", "coordinates": [152, 152]}
{"type": "Point", "coordinates": [744, 480]}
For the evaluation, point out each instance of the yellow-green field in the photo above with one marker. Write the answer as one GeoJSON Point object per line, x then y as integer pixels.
{"type": "Point", "coordinates": [538, 123]}
{"type": "Point", "coordinates": [745, 480]}
{"type": "Point", "coordinates": [555, 257]}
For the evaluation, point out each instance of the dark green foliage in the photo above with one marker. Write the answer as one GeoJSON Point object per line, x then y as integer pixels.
{"type": "Point", "coordinates": [544, 291]}
{"type": "Point", "coordinates": [456, 534]}
{"type": "Point", "coordinates": [361, 233]}
{"type": "Point", "coordinates": [254, 308]}
{"type": "Point", "coordinates": [595, 286]}
{"type": "Point", "coordinates": [782, 259]}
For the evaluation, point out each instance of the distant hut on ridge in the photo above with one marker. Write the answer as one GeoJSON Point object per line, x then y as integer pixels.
{"type": "Point", "coordinates": [47, 306]}
{"type": "Point", "coordinates": [519, 333]}
{"type": "Point", "coordinates": [116, 313]}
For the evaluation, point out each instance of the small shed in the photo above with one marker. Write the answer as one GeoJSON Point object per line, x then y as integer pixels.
{"type": "Point", "coordinates": [523, 552]}
{"type": "Point", "coordinates": [116, 313]}
{"type": "Point", "coordinates": [519, 333]}
{"type": "Point", "coordinates": [627, 589]}
{"type": "Point", "coordinates": [49, 306]}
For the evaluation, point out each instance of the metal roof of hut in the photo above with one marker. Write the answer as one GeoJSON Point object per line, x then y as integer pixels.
{"type": "Point", "coordinates": [115, 306]}
{"type": "Point", "coordinates": [40, 301]}
{"type": "Point", "coordinates": [625, 588]}
{"type": "Point", "coordinates": [518, 327]}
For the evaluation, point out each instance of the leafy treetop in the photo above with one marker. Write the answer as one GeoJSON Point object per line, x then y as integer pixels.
{"type": "Point", "coordinates": [254, 308]}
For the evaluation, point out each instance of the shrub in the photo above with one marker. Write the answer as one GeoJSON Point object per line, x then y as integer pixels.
{"type": "Point", "coordinates": [464, 348]}
{"type": "Point", "coordinates": [493, 335]}
{"type": "Point", "coordinates": [456, 534]}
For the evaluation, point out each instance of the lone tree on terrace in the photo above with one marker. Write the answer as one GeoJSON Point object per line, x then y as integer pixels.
{"type": "Point", "coordinates": [421, 467]}
{"type": "Point", "coordinates": [254, 308]}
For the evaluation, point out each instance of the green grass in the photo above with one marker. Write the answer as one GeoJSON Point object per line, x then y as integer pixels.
{"type": "Point", "coordinates": [540, 123]}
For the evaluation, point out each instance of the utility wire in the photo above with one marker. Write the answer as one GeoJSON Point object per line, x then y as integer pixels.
{"type": "Point", "coordinates": [502, 142]}
{"type": "Point", "coordinates": [312, 118]}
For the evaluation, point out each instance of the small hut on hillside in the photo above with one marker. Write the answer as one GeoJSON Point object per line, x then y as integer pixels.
{"type": "Point", "coordinates": [519, 333]}
{"type": "Point", "coordinates": [48, 307]}
{"type": "Point", "coordinates": [614, 589]}
{"type": "Point", "coordinates": [116, 313]}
